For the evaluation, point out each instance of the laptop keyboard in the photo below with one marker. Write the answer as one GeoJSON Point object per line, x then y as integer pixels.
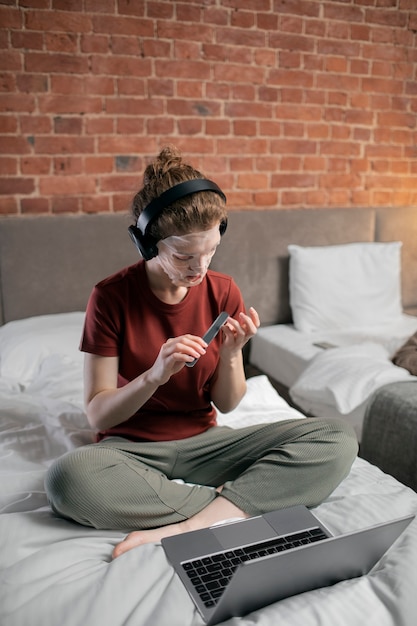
{"type": "Point", "coordinates": [211, 574]}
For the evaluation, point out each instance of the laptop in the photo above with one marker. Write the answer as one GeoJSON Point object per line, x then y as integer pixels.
{"type": "Point", "coordinates": [233, 569]}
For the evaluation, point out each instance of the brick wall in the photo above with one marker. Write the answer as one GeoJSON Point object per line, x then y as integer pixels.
{"type": "Point", "coordinates": [285, 103]}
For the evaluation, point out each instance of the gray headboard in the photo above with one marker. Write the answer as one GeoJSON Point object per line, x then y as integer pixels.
{"type": "Point", "coordinates": [49, 264]}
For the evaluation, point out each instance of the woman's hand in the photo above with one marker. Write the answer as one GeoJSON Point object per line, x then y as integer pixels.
{"type": "Point", "coordinates": [236, 333]}
{"type": "Point", "coordinates": [174, 354]}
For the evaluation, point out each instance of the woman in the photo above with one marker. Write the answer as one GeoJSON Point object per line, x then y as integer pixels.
{"type": "Point", "coordinates": [155, 416]}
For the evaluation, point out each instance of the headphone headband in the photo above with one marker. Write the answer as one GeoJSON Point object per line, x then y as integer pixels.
{"type": "Point", "coordinates": [171, 195]}
{"type": "Point", "coordinates": [145, 243]}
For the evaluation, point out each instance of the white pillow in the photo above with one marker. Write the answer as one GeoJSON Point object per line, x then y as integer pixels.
{"type": "Point", "coordinates": [345, 286]}
{"type": "Point", "coordinates": [26, 343]}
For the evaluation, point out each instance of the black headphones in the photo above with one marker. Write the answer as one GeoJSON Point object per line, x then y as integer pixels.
{"type": "Point", "coordinates": [145, 243]}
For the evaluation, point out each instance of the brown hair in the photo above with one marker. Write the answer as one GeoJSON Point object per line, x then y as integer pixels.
{"type": "Point", "coordinates": [198, 211]}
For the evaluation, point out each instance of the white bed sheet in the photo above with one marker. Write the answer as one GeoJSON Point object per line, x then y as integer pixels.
{"type": "Point", "coordinates": [327, 382]}
{"type": "Point", "coordinates": [54, 572]}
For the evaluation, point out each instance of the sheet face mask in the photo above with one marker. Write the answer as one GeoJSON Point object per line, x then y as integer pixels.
{"type": "Point", "coordinates": [186, 258]}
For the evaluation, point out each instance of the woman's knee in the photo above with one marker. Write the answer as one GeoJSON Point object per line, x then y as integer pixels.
{"type": "Point", "coordinates": [340, 445]}
{"type": "Point", "coordinates": [69, 484]}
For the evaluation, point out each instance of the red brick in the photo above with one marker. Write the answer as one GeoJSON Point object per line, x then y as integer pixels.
{"type": "Point", "coordinates": [95, 43]}
{"type": "Point", "coordinates": [27, 40]}
{"type": "Point", "coordinates": [130, 125]}
{"type": "Point", "coordinates": [118, 183]}
{"type": "Point", "coordinates": [160, 126]}
{"type": "Point", "coordinates": [157, 48]}
{"type": "Point", "coordinates": [265, 198]}
{"type": "Point", "coordinates": [240, 145]}
{"type": "Point", "coordinates": [215, 15]}
{"type": "Point", "coordinates": [127, 46]}
{"type": "Point", "coordinates": [292, 198]}
{"type": "Point", "coordinates": [16, 185]}
{"type": "Point", "coordinates": [252, 181]}
{"type": "Point", "coordinates": [173, 30]}
{"type": "Point", "coordinates": [8, 205]}
{"type": "Point", "coordinates": [8, 166]}
{"type": "Point", "coordinates": [297, 181]}
{"type": "Point", "coordinates": [246, 128]}
{"type": "Point", "coordinates": [339, 147]}
{"type": "Point", "coordinates": [67, 5]}
{"type": "Point", "coordinates": [292, 146]}
{"type": "Point", "coordinates": [121, 202]}
{"type": "Point", "coordinates": [134, 106]}
{"type": "Point", "coordinates": [126, 7]}
{"type": "Point", "coordinates": [391, 18]}
{"type": "Point", "coordinates": [104, 6]}
{"type": "Point", "coordinates": [242, 19]}
{"type": "Point", "coordinates": [61, 42]}
{"type": "Point", "coordinates": [11, 18]}
{"type": "Point", "coordinates": [189, 89]}
{"type": "Point", "coordinates": [161, 87]}
{"type": "Point", "coordinates": [160, 9]}
{"type": "Point", "coordinates": [122, 25]}
{"type": "Point", "coordinates": [34, 205]}
{"type": "Point", "coordinates": [192, 126]}
{"type": "Point", "coordinates": [58, 21]}
{"type": "Point", "coordinates": [95, 204]}
{"type": "Point", "coordinates": [36, 166]}
{"type": "Point", "coordinates": [233, 74]}
{"type": "Point", "coordinates": [128, 163]}
{"type": "Point", "coordinates": [69, 104]}
{"type": "Point", "coordinates": [125, 145]}
{"type": "Point", "coordinates": [189, 107]}
{"type": "Point", "coordinates": [248, 110]}
{"type": "Point", "coordinates": [68, 166]}
{"type": "Point", "coordinates": [44, 62]}
{"type": "Point", "coordinates": [35, 124]}
{"type": "Point", "coordinates": [120, 65]}
{"type": "Point", "coordinates": [217, 127]}
{"type": "Point", "coordinates": [11, 61]}
{"type": "Point", "coordinates": [66, 185]}
{"type": "Point", "coordinates": [64, 145]}
{"type": "Point", "coordinates": [65, 204]}
{"type": "Point", "coordinates": [397, 119]}
{"type": "Point", "coordinates": [98, 165]}
{"type": "Point", "coordinates": [99, 126]}
{"type": "Point", "coordinates": [32, 83]}
{"type": "Point", "coordinates": [7, 82]}
{"type": "Point", "coordinates": [68, 125]}
{"type": "Point", "coordinates": [14, 145]}
{"type": "Point", "coordinates": [8, 124]}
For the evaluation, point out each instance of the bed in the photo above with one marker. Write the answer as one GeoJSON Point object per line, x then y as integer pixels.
{"type": "Point", "coordinates": [57, 572]}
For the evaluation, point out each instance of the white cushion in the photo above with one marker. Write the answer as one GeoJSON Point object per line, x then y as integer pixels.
{"type": "Point", "coordinates": [345, 286]}
{"type": "Point", "coordinates": [26, 343]}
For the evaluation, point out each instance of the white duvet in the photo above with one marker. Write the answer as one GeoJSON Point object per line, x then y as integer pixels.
{"type": "Point", "coordinates": [57, 573]}
{"type": "Point", "coordinates": [346, 377]}
{"type": "Point", "coordinates": [338, 381]}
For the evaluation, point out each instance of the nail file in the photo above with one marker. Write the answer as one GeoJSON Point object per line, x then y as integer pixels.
{"type": "Point", "coordinates": [212, 332]}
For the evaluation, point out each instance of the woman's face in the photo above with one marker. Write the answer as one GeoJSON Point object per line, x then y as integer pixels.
{"type": "Point", "coordinates": [186, 258]}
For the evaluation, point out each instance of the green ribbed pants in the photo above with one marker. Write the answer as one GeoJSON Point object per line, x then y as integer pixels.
{"type": "Point", "coordinates": [124, 485]}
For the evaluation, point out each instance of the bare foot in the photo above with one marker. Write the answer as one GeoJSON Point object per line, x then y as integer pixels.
{"type": "Point", "coordinates": [218, 510]}
{"type": "Point", "coordinates": [141, 537]}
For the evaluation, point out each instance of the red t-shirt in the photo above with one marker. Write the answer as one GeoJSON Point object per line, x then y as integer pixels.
{"type": "Point", "coordinates": [124, 318]}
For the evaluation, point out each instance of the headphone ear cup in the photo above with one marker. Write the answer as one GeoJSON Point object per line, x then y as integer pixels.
{"type": "Point", "coordinates": [222, 227]}
{"type": "Point", "coordinates": [148, 249]}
